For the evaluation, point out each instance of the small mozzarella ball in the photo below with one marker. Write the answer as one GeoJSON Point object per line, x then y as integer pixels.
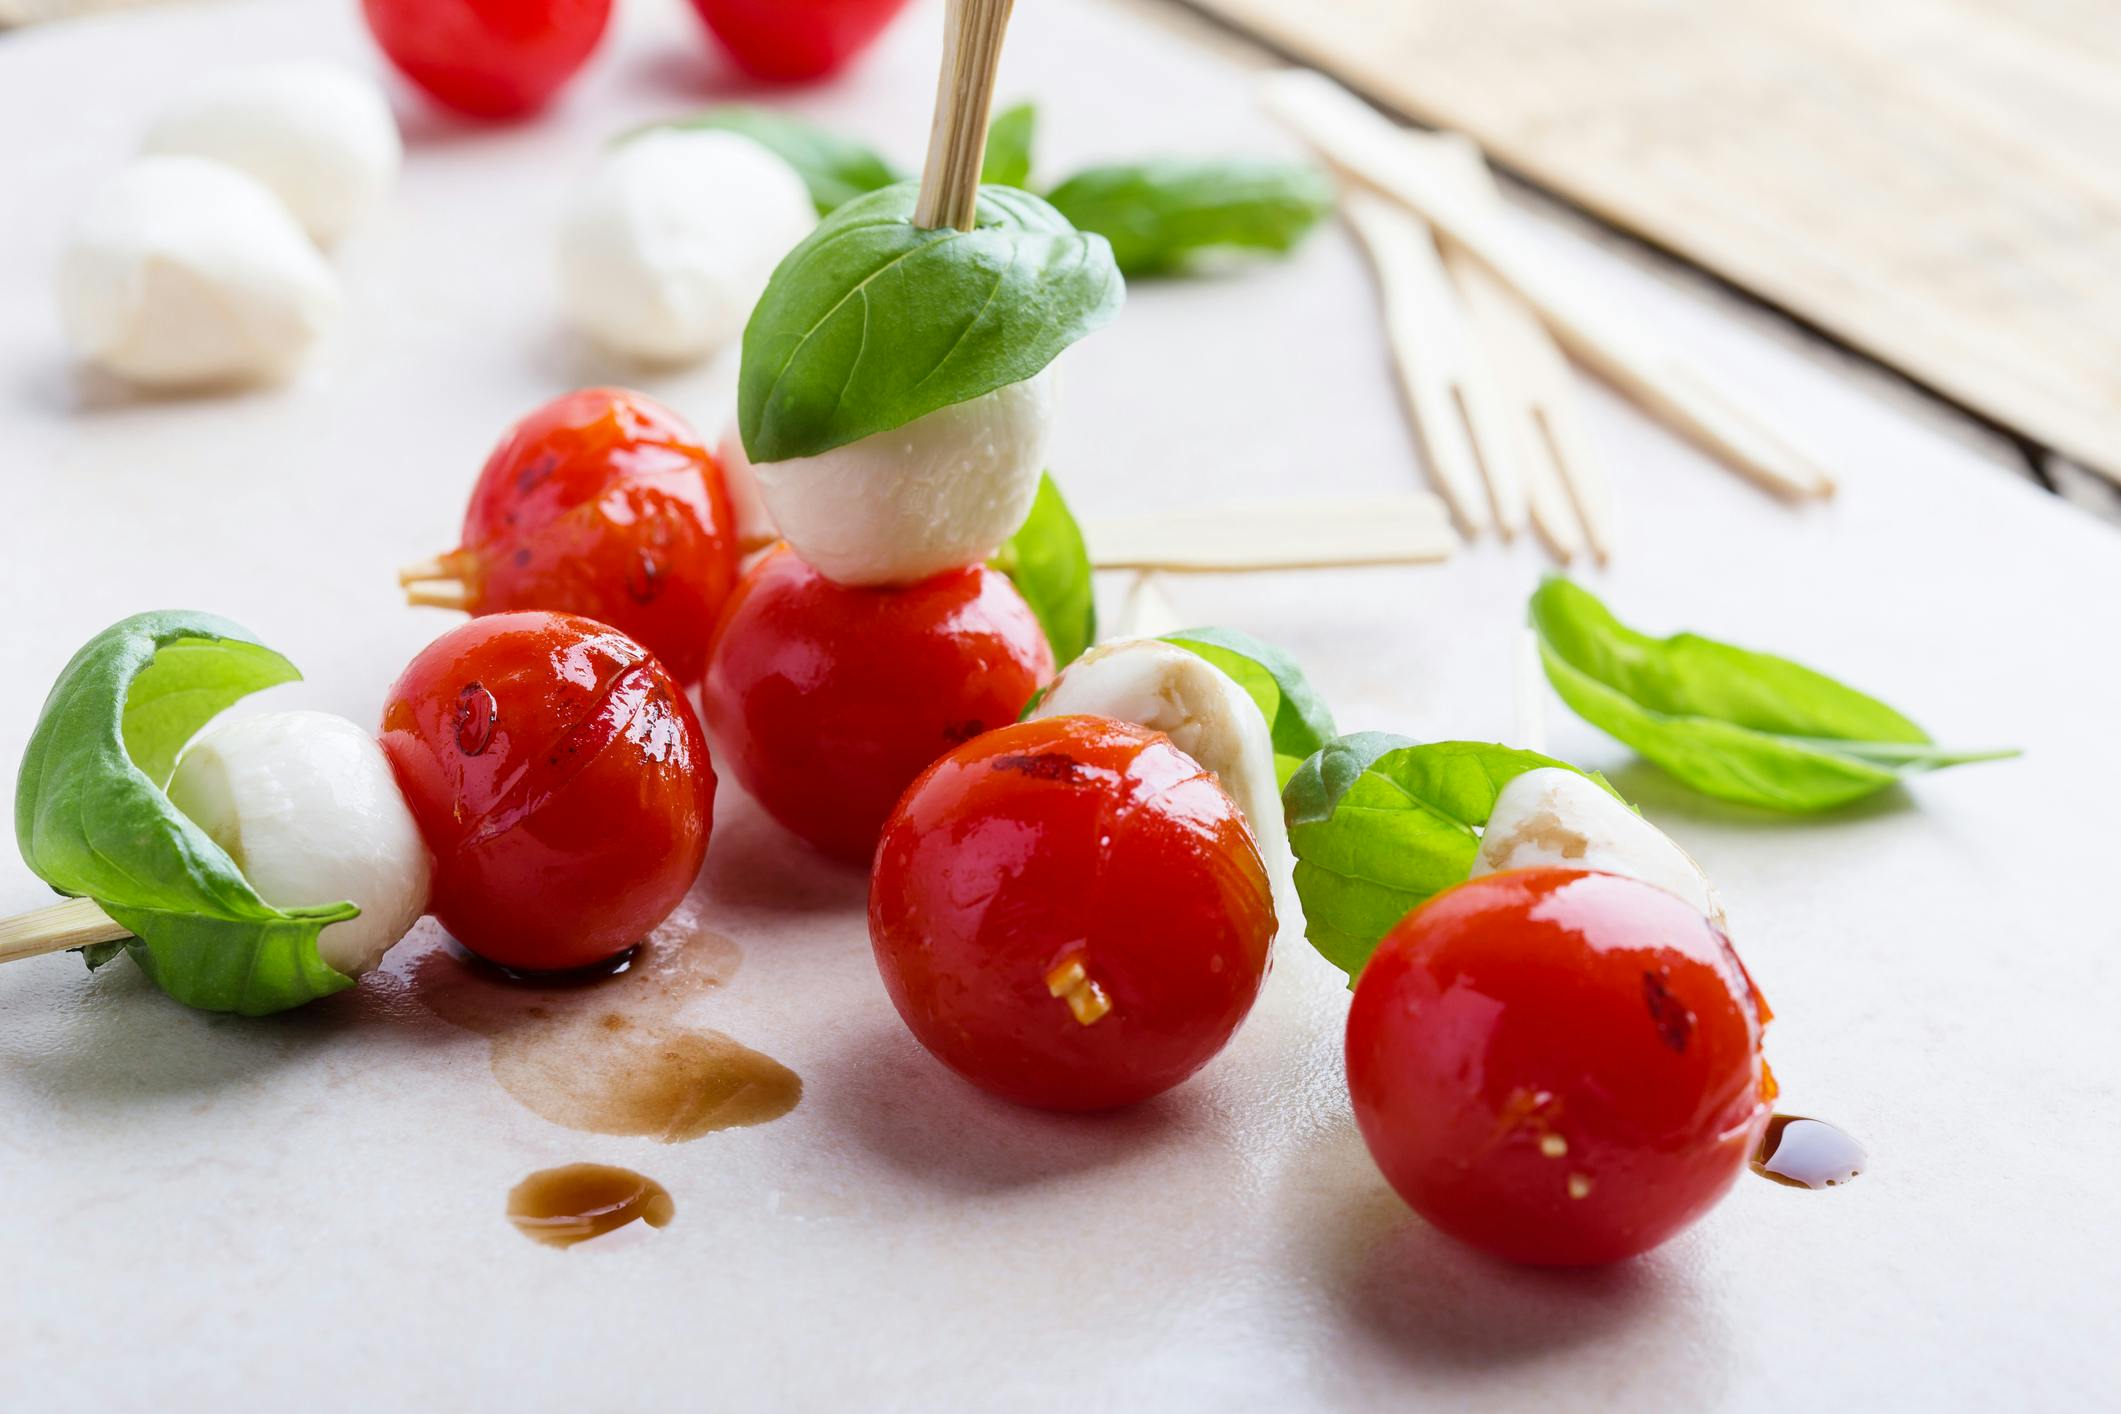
{"type": "Point", "coordinates": [1172, 690]}
{"type": "Point", "coordinates": [754, 523]}
{"type": "Point", "coordinates": [181, 272]}
{"type": "Point", "coordinates": [941, 492]}
{"type": "Point", "coordinates": [672, 241]}
{"type": "Point", "coordinates": [1556, 818]}
{"type": "Point", "coordinates": [306, 805]}
{"type": "Point", "coordinates": [319, 135]}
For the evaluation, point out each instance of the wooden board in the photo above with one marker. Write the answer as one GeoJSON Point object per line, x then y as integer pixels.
{"type": "Point", "coordinates": [1933, 181]}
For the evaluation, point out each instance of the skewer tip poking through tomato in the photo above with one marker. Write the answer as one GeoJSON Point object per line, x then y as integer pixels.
{"type": "Point", "coordinates": [826, 700]}
{"type": "Point", "coordinates": [1558, 1067]}
{"type": "Point", "coordinates": [1070, 913]}
{"type": "Point", "coordinates": [488, 58]}
{"type": "Point", "coordinates": [601, 503]}
{"type": "Point", "coordinates": [560, 781]}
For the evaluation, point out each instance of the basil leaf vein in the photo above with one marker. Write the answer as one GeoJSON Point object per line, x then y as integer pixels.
{"type": "Point", "coordinates": [1161, 214]}
{"type": "Point", "coordinates": [1050, 566]}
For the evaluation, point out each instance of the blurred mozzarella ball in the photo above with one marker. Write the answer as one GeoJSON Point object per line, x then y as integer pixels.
{"type": "Point", "coordinates": [942, 492]}
{"type": "Point", "coordinates": [671, 243]}
{"type": "Point", "coordinates": [1554, 818]}
{"type": "Point", "coordinates": [319, 135]}
{"type": "Point", "coordinates": [181, 272]}
{"type": "Point", "coordinates": [306, 805]}
{"type": "Point", "coordinates": [754, 523]}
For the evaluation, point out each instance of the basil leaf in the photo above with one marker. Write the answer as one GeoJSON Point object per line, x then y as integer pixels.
{"type": "Point", "coordinates": [1380, 824]}
{"type": "Point", "coordinates": [92, 820]}
{"type": "Point", "coordinates": [1008, 160]}
{"type": "Point", "coordinates": [1160, 214]}
{"type": "Point", "coordinates": [835, 168]}
{"type": "Point", "coordinates": [1050, 566]}
{"type": "Point", "coordinates": [873, 321]}
{"type": "Point", "coordinates": [1297, 717]}
{"type": "Point", "coordinates": [1731, 723]}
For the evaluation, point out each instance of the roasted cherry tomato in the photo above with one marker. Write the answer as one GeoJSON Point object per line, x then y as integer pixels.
{"type": "Point", "coordinates": [488, 58]}
{"type": "Point", "coordinates": [600, 503]}
{"type": "Point", "coordinates": [1558, 1066]}
{"type": "Point", "coordinates": [560, 781]}
{"type": "Point", "coordinates": [1070, 913]}
{"type": "Point", "coordinates": [827, 700]}
{"type": "Point", "coordinates": [795, 39]}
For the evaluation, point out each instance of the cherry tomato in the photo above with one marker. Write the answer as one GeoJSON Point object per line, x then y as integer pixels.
{"type": "Point", "coordinates": [795, 39]}
{"type": "Point", "coordinates": [826, 700]}
{"type": "Point", "coordinates": [488, 58]}
{"type": "Point", "coordinates": [1557, 1066]}
{"type": "Point", "coordinates": [601, 503]}
{"type": "Point", "coordinates": [560, 781]}
{"type": "Point", "coordinates": [1070, 913]}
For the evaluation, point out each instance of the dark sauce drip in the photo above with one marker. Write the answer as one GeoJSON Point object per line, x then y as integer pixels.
{"type": "Point", "coordinates": [1808, 1153]}
{"type": "Point", "coordinates": [560, 1207]}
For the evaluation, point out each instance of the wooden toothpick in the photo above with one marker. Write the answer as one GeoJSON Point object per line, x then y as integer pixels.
{"type": "Point", "coordinates": [964, 93]}
{"type": "Point", "coordinates": [72, 924]}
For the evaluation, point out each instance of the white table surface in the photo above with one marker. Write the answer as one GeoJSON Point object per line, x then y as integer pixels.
{"type": "Point", "coordinates": [212, 1213]}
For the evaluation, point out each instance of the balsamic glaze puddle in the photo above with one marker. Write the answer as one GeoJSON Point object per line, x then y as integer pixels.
{"type": "Point", "coordinates": [1799, 1152]}
{"type": "Point", "coordinates": [562, 1206]}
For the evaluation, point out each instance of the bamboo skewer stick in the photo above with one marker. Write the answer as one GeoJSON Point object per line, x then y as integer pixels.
{"type": "Point", "coordinates": [964, 93]}
{"type": "Point", "coordinates": [72, 924]}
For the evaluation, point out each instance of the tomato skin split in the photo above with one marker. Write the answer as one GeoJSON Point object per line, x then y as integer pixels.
{"type": "Point", "coordinates": [561, 783]}
{"type": "Point", "coordinates": [1070, 913]}
{"type": "Point", "coordinates": [1556, 1066]}
{"type": "Point", "coordinates": [488, 58]}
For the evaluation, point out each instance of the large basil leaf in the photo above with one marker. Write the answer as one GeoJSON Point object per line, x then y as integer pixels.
{"type": "Point", "coordinates": [92, 820]}
{"type": "Point", "coordinates": [873, 321]}
{"type": "Point", "coordinates": [1727, 721]}
{"type": "Point", "coordinates": [1050, 565]}
{"type": "Point", "coordinates": [1160, 214]}
{"type": "Point", "coordinates": [1380, 824]}
{"type": "Point", "coordinates": [835, 168]}
{"type": "Point", "coordinates": [1297, 717]}
{"type": "Point", "coordinates": [1008, 160]}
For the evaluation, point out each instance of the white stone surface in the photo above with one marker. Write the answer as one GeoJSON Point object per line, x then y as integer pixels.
{"type": "Point", "coordinates": [210, 1213]}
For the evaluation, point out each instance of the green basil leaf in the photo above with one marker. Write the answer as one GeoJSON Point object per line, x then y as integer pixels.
{"type": "Point", "coordinates": [1297, 717]}
{"type": "Point", "coordinates": [1160, 214]}
{"type": "Point", "coordinates": [1050, 566]}
{"type": "Point", "coordinates": [92, 820]}
{"type": "Point", "coordinates": [1730, 722]}
{"type": "Point", "coordinates": [1380, 824]}
{"type": "Point", "coordinates": [873, 321]}
{"type": "Point", "coordinates": [836, 169]}
{"type": "Point", "coordinates": [1008, 160]}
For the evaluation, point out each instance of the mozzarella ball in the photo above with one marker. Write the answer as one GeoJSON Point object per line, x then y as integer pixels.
{"type": "Point", "coordinates": [671, 243]}
{"type": "Point", "coordinates": [306, 805]}
{"type": "Point", "coordinates": [941, 492]}
{"type": "Point", "coordinates": [754, 523]}
{"type": "Point", "coordinates": [1172, 690]}
{"type": "Point", "coordinates": [318, 134]}
{"type": "Point", "coordinates": [1556, 818]}
{"type": "Point", "coordinates": [180, 272]}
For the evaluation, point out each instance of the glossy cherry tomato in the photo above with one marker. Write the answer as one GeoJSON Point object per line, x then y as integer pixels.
{"type": "Point", "coordinates": [795, 39]}
{"type": "Point", "coordinates": [560, 781]}
{"type": "Point", "coordinates": [488, 58]}
{"type": "Point", "coordinates": [827, 700]}
{"type": "Point", "coordinates": [1557, 1066]}
{"type": "Point", "coordinates": [1070, 913]}
{"type": "Point", "coordinates": [601, 503]}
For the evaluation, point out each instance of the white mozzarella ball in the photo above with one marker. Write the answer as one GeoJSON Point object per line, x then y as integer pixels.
{"type": "Point", "coordinates": [671, 242]}
{"type": "Point", "coordinates": [754, 523]}
{"type": "Point", "coordinates": [319, 135]}
{"type": "Point", "coordinates": [181, 272]}
{"type": "Point", "coordinates": [1208, 716]}
{"type": "Point", "coordinates": [306, 805]}
{"type": "Point", "coordinates": [1552, 818]}
{"type": "Point", "coordinates": [941, 492]}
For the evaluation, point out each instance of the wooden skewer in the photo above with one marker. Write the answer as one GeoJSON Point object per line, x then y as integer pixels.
{"type": "Point", "coordinates": [72, 924]}
{"type": "Point", "coordinates": [1387, 530]}
{"type": "Point", "coordinates": [964, 93]}
{"type": "Point", "coordinates": [1148, 612]}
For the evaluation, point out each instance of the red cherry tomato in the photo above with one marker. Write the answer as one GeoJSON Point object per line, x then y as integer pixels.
{"type": "Point", "coordinates": [560, 781]}
{"type": "Point", "coordinates": [488, 58]}
{"type": "Point", "coordinates": [603, 503]}
{"type": "Point", "coordinates": [1070, 913]}
{"type": "Point", "coordinates": [795, 39]}
{"type": "Point", "coordinates": [1557, 1066]}
{"type": "Point", "coordinates": [827, 700]}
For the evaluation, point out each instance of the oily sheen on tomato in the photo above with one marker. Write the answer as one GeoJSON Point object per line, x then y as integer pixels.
{"type": "Point", "coordinates": [795, 39]}
{"type": "Point", "coordinates": [1557, 1066]}
{"type": "Point", "coordinates": [603, 503]}
{"type": "Point", "coordinates": [560, 781]}
{"type": "Point", "coordinates": [826, 700]}
{"type": "Point", "coordinates": [488, 58]}
{"type": "Point", "coordinates": [1070, 913]}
